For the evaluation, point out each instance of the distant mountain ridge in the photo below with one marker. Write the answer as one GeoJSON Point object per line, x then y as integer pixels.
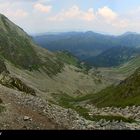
{"type": "Point", "coordinates": [91, 47]}
{"type": "Point", "coordinates": [77, 43]}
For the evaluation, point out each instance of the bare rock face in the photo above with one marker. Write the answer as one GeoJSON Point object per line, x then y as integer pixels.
{"type": "Point", "coordinates": [12, 82]}
{"type": "Point", "coordinates": [21, 86]}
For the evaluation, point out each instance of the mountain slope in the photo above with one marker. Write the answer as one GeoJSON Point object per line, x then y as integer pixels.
{"type": "Point", "coordinates": [113, 57]}
{"type": "Point", "coordinates": [18, 48]}
{"type": "Point", "coordinates": [15, 45]}
{"type": "Point", "coordinates": [68, 58]}
{"type": "Point", "coordinates": [37, 71]}
{"type": "Point", "coordinates": [125, 94]}
{"type": "Point", "coordinates": [129, 67]}
{"type": "Point", "coordinates": [122, 71]}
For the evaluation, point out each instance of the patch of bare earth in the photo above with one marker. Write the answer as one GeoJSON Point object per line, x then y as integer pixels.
{"type": "Point", "coordinates": [18, 116]}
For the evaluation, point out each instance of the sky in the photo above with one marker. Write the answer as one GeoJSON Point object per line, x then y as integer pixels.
{"type": "Point", "coordinates": [103, 16]}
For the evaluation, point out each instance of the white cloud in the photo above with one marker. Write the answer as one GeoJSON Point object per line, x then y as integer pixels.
{"type": "Point", "coordinates": [121, 23]}
{"type": "Point", "coordinates": [43, 8]}
{"type": "Point", "coordinates": [27, 14]}
{"type": "Point", "coordinates": [104, 16]}
{"type": "Point", "coordinates": [74, 13]}
{"type": "Point", "coordinates": [107, 13]}
{"type": "Point", "coordinates": [19, 13]}
{"type": "Point", "coordinates": [43, 1]}
{"type": "Point", "coordinates": [12, 11]}
{"type": "Point", "coordinates": [89, 15]}
{"type": "Point", "coordinates": [110, 18]}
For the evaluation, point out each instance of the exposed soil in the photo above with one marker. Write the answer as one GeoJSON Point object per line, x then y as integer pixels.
{"type": "Point", "coordinates": [13, 116]}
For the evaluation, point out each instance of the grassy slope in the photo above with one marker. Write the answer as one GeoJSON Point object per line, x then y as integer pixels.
{"type": "Point", "coordinates": [68, 58]}
{"type": "Point", "coordinates": [15, 45]}
{"type": "Point", "coordinates": [67, 101]}
{"type": "Point", "coordinates": [117, 74]}
{"type": "Point", "coordinates": [129, 67]}
{"type": "Point", "coordinates": [18, 48]}
{"type": "Point", "coordinates": [71, 81]}
{"type": "Point", "coordinates": [124, 94]}
{"type": "Point", "coordinates": [127, 93]}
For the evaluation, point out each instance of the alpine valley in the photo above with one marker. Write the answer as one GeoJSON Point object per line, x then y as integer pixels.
{"type": "Point", "coordinates": [73, 80]}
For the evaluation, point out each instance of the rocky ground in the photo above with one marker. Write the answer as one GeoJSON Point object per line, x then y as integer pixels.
{"type": "Point", "coordinates": [127, 112]}
{"type": "Point", "coordinates": [24, 111]}
{"type": "Point", "coordinates": [18, 115]}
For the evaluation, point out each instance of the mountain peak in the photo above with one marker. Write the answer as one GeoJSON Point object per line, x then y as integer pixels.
{"type": "Point", "coordinates": [130, 33]}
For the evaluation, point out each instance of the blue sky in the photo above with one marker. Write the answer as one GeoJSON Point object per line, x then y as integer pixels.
{"type": "Point", "coordinates": [105, 16]}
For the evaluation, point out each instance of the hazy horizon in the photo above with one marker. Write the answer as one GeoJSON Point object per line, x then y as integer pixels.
{"type": "Point", "coordinates": [59, 32]}
{"type": "Point", "coordinates": [104, 16]}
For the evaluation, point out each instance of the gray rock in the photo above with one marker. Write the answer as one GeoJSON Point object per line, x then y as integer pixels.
{"type": "Point", "coordinates": [26, 118]}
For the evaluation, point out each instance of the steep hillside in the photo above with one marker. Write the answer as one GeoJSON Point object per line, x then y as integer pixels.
{"type": "Point", "coordinates": [18, 48]}
{"type": "Point", "coordinates": [36, 71]}
{"type": "Point", "coordinates": [129, 67]}
{"type": "Point", "coordinates": [15, 45]}
{"type": "Point", "coordinates": [113, 57]}
{"type": "Point", "coordinates": [68, 58]}
{"type": "Point", "coordinates": [122, 71]}
{"type": "Point", "coordinates": [127, 93]}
